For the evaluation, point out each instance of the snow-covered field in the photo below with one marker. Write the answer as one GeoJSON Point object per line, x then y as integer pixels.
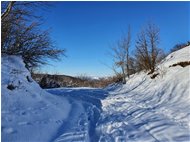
{"type": "Point", "coordinates": [143, 109]}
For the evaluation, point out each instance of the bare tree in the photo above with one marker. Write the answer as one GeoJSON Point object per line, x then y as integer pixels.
{"type": "Point", "coordinates": [121, 56]}
{"type": "Point", "coordinates": [154, 39]}
{"type": "Point", "coordinates": [119, 60]}
{"type": "Point", "coordinates": [142, 53]}
{"type": "Point", "coordinates": [147, 51]}
{"type": "Point", "coordinates": [132, 65]}
{"type": "Point", "coordinates": [127, 45]}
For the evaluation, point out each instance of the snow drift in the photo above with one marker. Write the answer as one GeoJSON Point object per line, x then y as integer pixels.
{"type": "Point", "coordinates": [28, 112]}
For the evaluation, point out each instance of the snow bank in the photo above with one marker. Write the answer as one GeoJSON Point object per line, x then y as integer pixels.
{"type": "Point", "coordinates": [28, 112]}
{"type": "Point", "coordinates": [177, 56]}
{"type": "Point", "coordinates": [146, 109]}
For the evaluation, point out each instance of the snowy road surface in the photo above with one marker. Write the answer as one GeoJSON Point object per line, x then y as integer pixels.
{"type": "Point", "coordinates": [85, 112]}
{"type": "Point", "coordinates": [120, 119]}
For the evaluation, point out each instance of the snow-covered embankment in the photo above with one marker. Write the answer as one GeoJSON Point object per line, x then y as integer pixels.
{"type": "Point", "coordinates": [146, 109]}
{"type": "Point", "coordinates": [28, 112]}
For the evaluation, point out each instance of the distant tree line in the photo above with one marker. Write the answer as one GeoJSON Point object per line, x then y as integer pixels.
{"type": "Point", "coordinates": [56, 81]}
{"type": "Point", "coordinates": [21, 33]}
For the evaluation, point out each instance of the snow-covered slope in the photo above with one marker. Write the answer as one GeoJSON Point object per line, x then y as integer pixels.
{"type": "Point", "coordinates": [28, 112]}
{"type": "Point", "coordinates": [146, 109]}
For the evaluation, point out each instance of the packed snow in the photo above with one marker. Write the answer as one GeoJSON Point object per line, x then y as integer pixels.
{"type": "Point", "coordinates": [143, 109]}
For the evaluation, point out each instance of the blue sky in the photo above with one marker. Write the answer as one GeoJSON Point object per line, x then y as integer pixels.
{"type": "Point", "coordinates": [87, 30]}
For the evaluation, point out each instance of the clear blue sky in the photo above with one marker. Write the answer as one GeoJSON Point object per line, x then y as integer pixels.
{"type": "Point", "coordinates": [87, 30]}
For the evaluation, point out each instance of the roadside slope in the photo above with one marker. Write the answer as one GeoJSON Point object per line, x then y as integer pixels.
{"type": "Point", "coordinates": [28, 112]}
{"type": "Point", "coordinates": [146, 109]}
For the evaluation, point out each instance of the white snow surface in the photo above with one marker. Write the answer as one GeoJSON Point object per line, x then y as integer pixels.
{"type": "Point", "coordinates": [28, 112]}
{"type": "Point", "coordinates": [144, 109]}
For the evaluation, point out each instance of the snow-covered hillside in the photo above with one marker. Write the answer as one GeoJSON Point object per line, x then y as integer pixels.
{"type": "Point", "coordinates": [153, 109]}
{"type": "Point", "coordinates": [148, 109]}
{"type": "Point", "coordinates": [28, 112]}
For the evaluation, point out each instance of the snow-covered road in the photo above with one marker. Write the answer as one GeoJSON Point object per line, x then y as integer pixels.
{"type": "Point", "coordinates": [97, 115]}
{"type": "Point", "coordinates": [85, 112]}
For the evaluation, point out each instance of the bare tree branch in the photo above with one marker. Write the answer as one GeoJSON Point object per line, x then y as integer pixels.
{"type": "Point", "coordinates": [8, 10]}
